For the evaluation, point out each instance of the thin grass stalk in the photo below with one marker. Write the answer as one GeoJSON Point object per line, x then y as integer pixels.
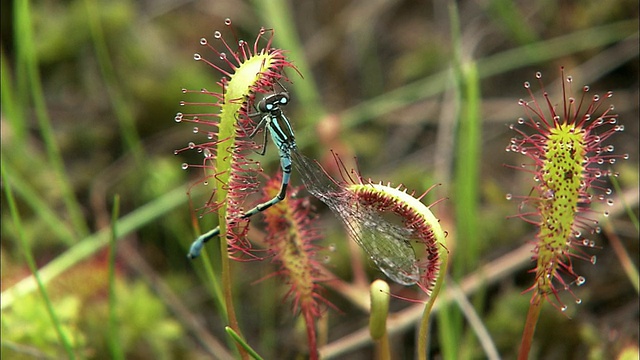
{"type": "Point", "coordinates": [630, 214]}
{"type": "Point", "coordinates": [122, 109]}
{"type": "Point", "coordinates": [278, 14]}
{"type": "Point", "coordinates": [423, 335]}
{"type": "Point", "coordinates": [624, 259]}
{"type": "Point", "coordinates": [114, 336]}
{"type": "Point", "coordinates": [94, 242]}
{"type": "Point", "coordinates": [26, 250]}
{"type": "Point", "coordinates": [42, 209]}
{"type": "Point", "coordinates": [467, 180]}
{"type": "Point", "coordinates": [468, 172]}
{"type": "Point", "coordinates": [450, 320]}
{"type": "Point", "coordinates": [508, 16]}
{"type": "Point", "coordinates": [12, 104]}
{"type": "Point", "coordinates": [26, 46]}
{"type": "Point", "coordinates": [242, 343]}
{"type": "Point", "coordinates": [214, 284]}
{"type": "Point", "coordinates": [561, 46]}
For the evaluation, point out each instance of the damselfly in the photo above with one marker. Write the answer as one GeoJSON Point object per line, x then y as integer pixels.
{"type": "Point", "coordinates": [274, 122]}
{"type": "Point", "coordinates": [385, 243]}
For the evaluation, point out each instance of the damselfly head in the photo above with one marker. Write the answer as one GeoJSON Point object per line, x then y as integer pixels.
{"type": "Point", "coordinates": [272, 102]}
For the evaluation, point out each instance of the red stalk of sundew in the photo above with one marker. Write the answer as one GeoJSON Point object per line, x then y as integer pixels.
{"type": "Point", "coordinates": [246, 69]}
{"type": "Point", "coordinates": [291, 241]}
{"type": "Point", "coordinates": [568, 147]}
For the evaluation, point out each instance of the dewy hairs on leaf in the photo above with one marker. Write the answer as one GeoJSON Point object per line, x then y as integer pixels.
{"type": "Point", "coordinates": [247, 70]}
{"type": "Point", "coordinates": [570, 156]}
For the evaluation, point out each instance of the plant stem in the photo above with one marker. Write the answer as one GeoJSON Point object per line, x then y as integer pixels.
{"type": "Point", "coordinates": [115, 345]}
{"type": "Point", "coordinates": [226, 285]}
{"type": "Point", "coordinates": [382, 347]}
{"type": "Point", "coordinates": [530, 327]}
{"type": "Point", "coordinates": [424, 323]}
{"type": "Point", "coordinates": [31, 262]}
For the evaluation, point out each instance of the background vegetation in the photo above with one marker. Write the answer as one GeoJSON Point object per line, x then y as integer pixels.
{"type": "Point", "coordinates": [89, 92]}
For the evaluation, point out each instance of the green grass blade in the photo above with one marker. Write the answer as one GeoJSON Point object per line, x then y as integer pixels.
{"type": "Point", "coordinates": [24, 41]}
{"type": "Point", "coordinates": [122, 109]}
{"type": "Point", "coordinates": [42, 209]}
{"type": "Point", "coordinates": [240, 341]}
{"type": "Point", "coordinates": [507, 15]}
{"type": "Point", "coordinates": [26, 249]}
{"type": "Point", "coordinates": [89, 245]}
{"type": "Point", "coordinates": [499, 63]}
{"type": "Point", "coordinates": [11, 104]}
{"type": "Point", "coordinates": [467, 171]}
{"type": "Point", "coordinates": [450, 320]}
{"type": "Point", "coordinates": [114, 335]}
{"type": "Point", "coordinates": [278, 15]}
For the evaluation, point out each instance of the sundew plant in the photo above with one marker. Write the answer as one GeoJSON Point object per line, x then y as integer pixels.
{"type": "Point", "coordinates": [570, 160]}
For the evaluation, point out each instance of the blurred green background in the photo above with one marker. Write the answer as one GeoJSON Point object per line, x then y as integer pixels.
{"type": "Point", "coordinates": [89, 93]}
